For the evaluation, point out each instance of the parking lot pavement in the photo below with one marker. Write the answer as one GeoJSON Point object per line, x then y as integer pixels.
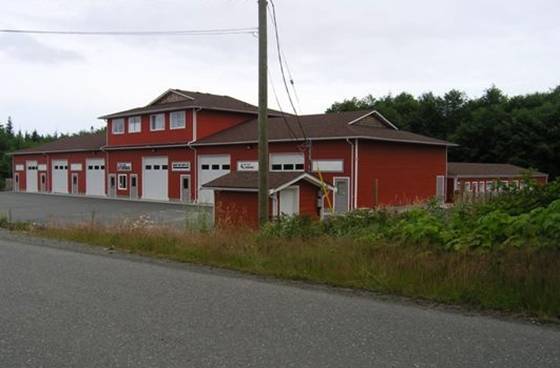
{"type": "Point", "coordinates": [63, 209]}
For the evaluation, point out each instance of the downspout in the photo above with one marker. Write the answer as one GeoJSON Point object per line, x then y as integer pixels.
{"type": "Point", "coordinates": [194, 169]}
{"type": "Point", "coordinates": [351, 166]}
{"type": "Point", "coordinates": [357, 163]}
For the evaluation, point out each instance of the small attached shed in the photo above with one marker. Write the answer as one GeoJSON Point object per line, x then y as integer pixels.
{"type": "Point", "coordinates": [291, 193]}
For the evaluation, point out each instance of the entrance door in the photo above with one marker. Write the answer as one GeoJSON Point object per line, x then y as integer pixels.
{"type": "Point", "coordinates": [95, 177]}
{"type": "Point", "coordinates": [16, 183]}
{"type": "Point", "coordinates": [112, 185]}
{"type": "Point", "coordinates": [60, 176]}
{"type": "Point", "coordinates": [43, 182]}
{"type": "Point", "coordinates": [154, 178]}
{"type": "Point", "coordinates": [209, 168]}
{"type": "Point", "coordinates": [289, 201]}
{"type": "Point", "coordinates": [31, 176]}
{"type": "Point", "coordinates": [342, 195]}
{"type": "Point", "coordinates": [185, 188]}
{"type": "Point", "coordinates": [133, 186]}
{"type": "Point", "coordinates": [75, 183]}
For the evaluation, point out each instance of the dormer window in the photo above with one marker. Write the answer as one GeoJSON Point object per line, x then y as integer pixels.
{"type": "Point", "coordinates": [177, 120]}
{"type": "Point", "coordinates": [134, 124]}
{"type": "Point", "coordinates": [117, 126]}
{"type": "Point", "coordinates": [157, 122]}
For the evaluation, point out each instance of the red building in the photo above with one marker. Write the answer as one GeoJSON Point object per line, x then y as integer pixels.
{"type": "Point", "coordinates": [170, 148]}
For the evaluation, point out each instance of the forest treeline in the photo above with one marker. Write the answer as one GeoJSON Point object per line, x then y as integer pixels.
{"type": "Point", "coordinates": [522, 130]}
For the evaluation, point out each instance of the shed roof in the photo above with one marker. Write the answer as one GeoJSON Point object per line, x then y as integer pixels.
{"type": "Point", "coordinates": [188, 100]}
{"type": "Point", "coordinates": [83, 142]}
{"type": "Point", "coordinates": [248, 181]}
{"type": "Point", "coordinates": [474, 169]}
{"type": "Point", "coordinates": [342, 125]}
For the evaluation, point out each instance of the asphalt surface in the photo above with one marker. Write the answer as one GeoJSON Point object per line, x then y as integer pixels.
{"type": "Point", "coordinates": [64, 209]}
{"type": "Point", "coordinates": [77, 307]}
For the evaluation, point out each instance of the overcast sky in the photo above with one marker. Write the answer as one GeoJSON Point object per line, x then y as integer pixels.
{"type": "Point", "coordinates": [335, 50]}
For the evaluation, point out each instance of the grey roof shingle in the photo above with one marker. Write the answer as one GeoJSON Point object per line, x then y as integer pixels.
{"type": "Point", "coordinates": [199, 100]}
{"type": "Point", "coordinates": [475, 169]}
{"type": "Point", "coordinates": [320, 126]}
{"type": "Point", "coordinates": [84, 142]}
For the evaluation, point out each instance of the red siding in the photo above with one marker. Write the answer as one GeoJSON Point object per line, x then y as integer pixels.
{"type": "Point", "coordinates": [210, 122]}
{"type": "Point", "coordinates": [135, 157]}
{"type": "Point", "coordinates": [308, 200]}
{"type": "Point", "coordinates": [145, 136]}
{"type": "Point", "coordinates": [21, 160]}
{"type": "Point", "coordinates": [405, 173]}
{"type": "Point", "coordinates": [236, 209]}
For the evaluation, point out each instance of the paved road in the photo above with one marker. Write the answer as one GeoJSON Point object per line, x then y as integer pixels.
{"type": "Point", "coordinates": [66, 307]}
{"type": "Point", "coordinates": [61, 209]}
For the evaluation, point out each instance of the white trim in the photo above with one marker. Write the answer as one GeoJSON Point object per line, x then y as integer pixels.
{"type": "Point", "coordinates": [341, 178]}
{"type": "Point", "coordinates": [328, 139]}
{"type": "Point", "coordinates": [494, 176]}
{"type": "Point", "coordinates": [379, 116]}
{"type": "Point", "coordinates": [181, 187]}
{"type": "Point", "coordinates": [159, 129]}
{"type": "Point", "coordinates": [292, 187]}
{"type": "Point", "coordinates": [173, 91]}
{"type": "Point", "coordinates": [316, 165]}
{"type": "Point", "coordinates": [171, 127]}
{"type": "Point", "coordinates": [226, 189]}
{"type": "Point", "coordinates": [304, 176]}
{"type": "Point", "coordinates": [120, 148]}
{"type": "Point", "coordinates": [119, 176]}
{"type": "Point", "coordinates": [113, 126]}
{"type": "Point", "coordinates": [139, 124]}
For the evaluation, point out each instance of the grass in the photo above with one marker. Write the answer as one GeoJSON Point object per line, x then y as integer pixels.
{"type": "Point", "coordinates": [517, 280]}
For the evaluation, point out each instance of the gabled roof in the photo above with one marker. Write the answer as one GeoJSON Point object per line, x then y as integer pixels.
{"type": "Point", "coordinates": [84, 142]}
{"type": "Point", "coordinates": [474, 169]}
{"type": "Point", "coordinates": [248, 181]}
{"type": "Point", "coordinates": [341, 125]}
{"type": "Point", "coordinates": [175, 99]}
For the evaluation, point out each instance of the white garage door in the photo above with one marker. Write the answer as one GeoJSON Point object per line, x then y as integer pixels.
{"type": "Point", "coordinates": [209, 168]}
{"type": "Point", "coordinates": [154, 178]}
{"type": "Point", "coordinates": [60, 176]}
{"type": "Point", "coordinates": [95, 177]}
{"type": "Point", "coordinates": [31, 176]}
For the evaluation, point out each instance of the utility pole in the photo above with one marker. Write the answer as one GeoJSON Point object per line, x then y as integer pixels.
{"type": "Point", "coordinates": [263, 115]}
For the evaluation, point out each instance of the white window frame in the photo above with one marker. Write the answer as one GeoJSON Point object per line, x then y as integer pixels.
{"type": "Point", "coordinates": [349, 201]}
{"type": "Point", "coordinates": [135, 121]}
{"type": "Point", "coordinates": [114, 125]}
{"type": "Point", "coordinates": [283, 158]}
{"type": "Point", "coordinates": [152, 129]}
{"type": "Point", "coordinates": [172, 121]}
{"type": "Point", "coordinates": [482, 187]}
{"type": "Point", "coordinates": [328, 165]}
{"type": "Point", "coordinates": [468, 187]}
{"type": "Point", "coordinates": [474, 185]}
{"type": "Point", "coordinates": [119, 186]}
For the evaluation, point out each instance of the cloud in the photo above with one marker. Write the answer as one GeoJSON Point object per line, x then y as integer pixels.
{"type": "Point", "coordinates": [26, 48]}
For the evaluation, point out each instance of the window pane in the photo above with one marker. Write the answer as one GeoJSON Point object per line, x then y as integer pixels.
{"type": "Point", "coordinates": [156, 167]}
{"type": "Point", "coordinates": [164, 167]}
{"type": "Point", "coordinates": [277, 167]}
{"type": "Point", "coordinates": [299, 166]}
{"type": "Point", "coordinates": [148, 167]}
{"type": "Point", "coordinates": [225, 167]}
{"type": "Point", "coordinates": [157, 122]}
{"type": "Point", "coordinates": [177, 119]}
{"type": "Point", "coordinates": [288, 166]}
{"type": "Point", "coordinates": [118, 126]}
{"type": "Point", "coordinates": [205, 167]}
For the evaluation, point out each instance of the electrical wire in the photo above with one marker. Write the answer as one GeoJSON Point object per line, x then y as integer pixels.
{"type": "Point", "coordinates": [199, 32]}
{"type": "Point", "coordinates": [292, 133]}
{"type": "Point", "coordinates": [279, 52]}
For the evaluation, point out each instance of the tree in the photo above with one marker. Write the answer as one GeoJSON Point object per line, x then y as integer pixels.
{"type": "Point", "coordinates": [522, 130]}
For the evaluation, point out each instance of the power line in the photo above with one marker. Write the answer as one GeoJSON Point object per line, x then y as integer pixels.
{"type": "Point", "coordinates": [279, 52]}
{"type": "Point", "coordinates": [292, 133]}
{"type": "Point", "coordinates": [192, 32]}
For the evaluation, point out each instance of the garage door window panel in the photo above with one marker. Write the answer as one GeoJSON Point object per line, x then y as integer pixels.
{"type": "Point", "coordinates": [287, 162]}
